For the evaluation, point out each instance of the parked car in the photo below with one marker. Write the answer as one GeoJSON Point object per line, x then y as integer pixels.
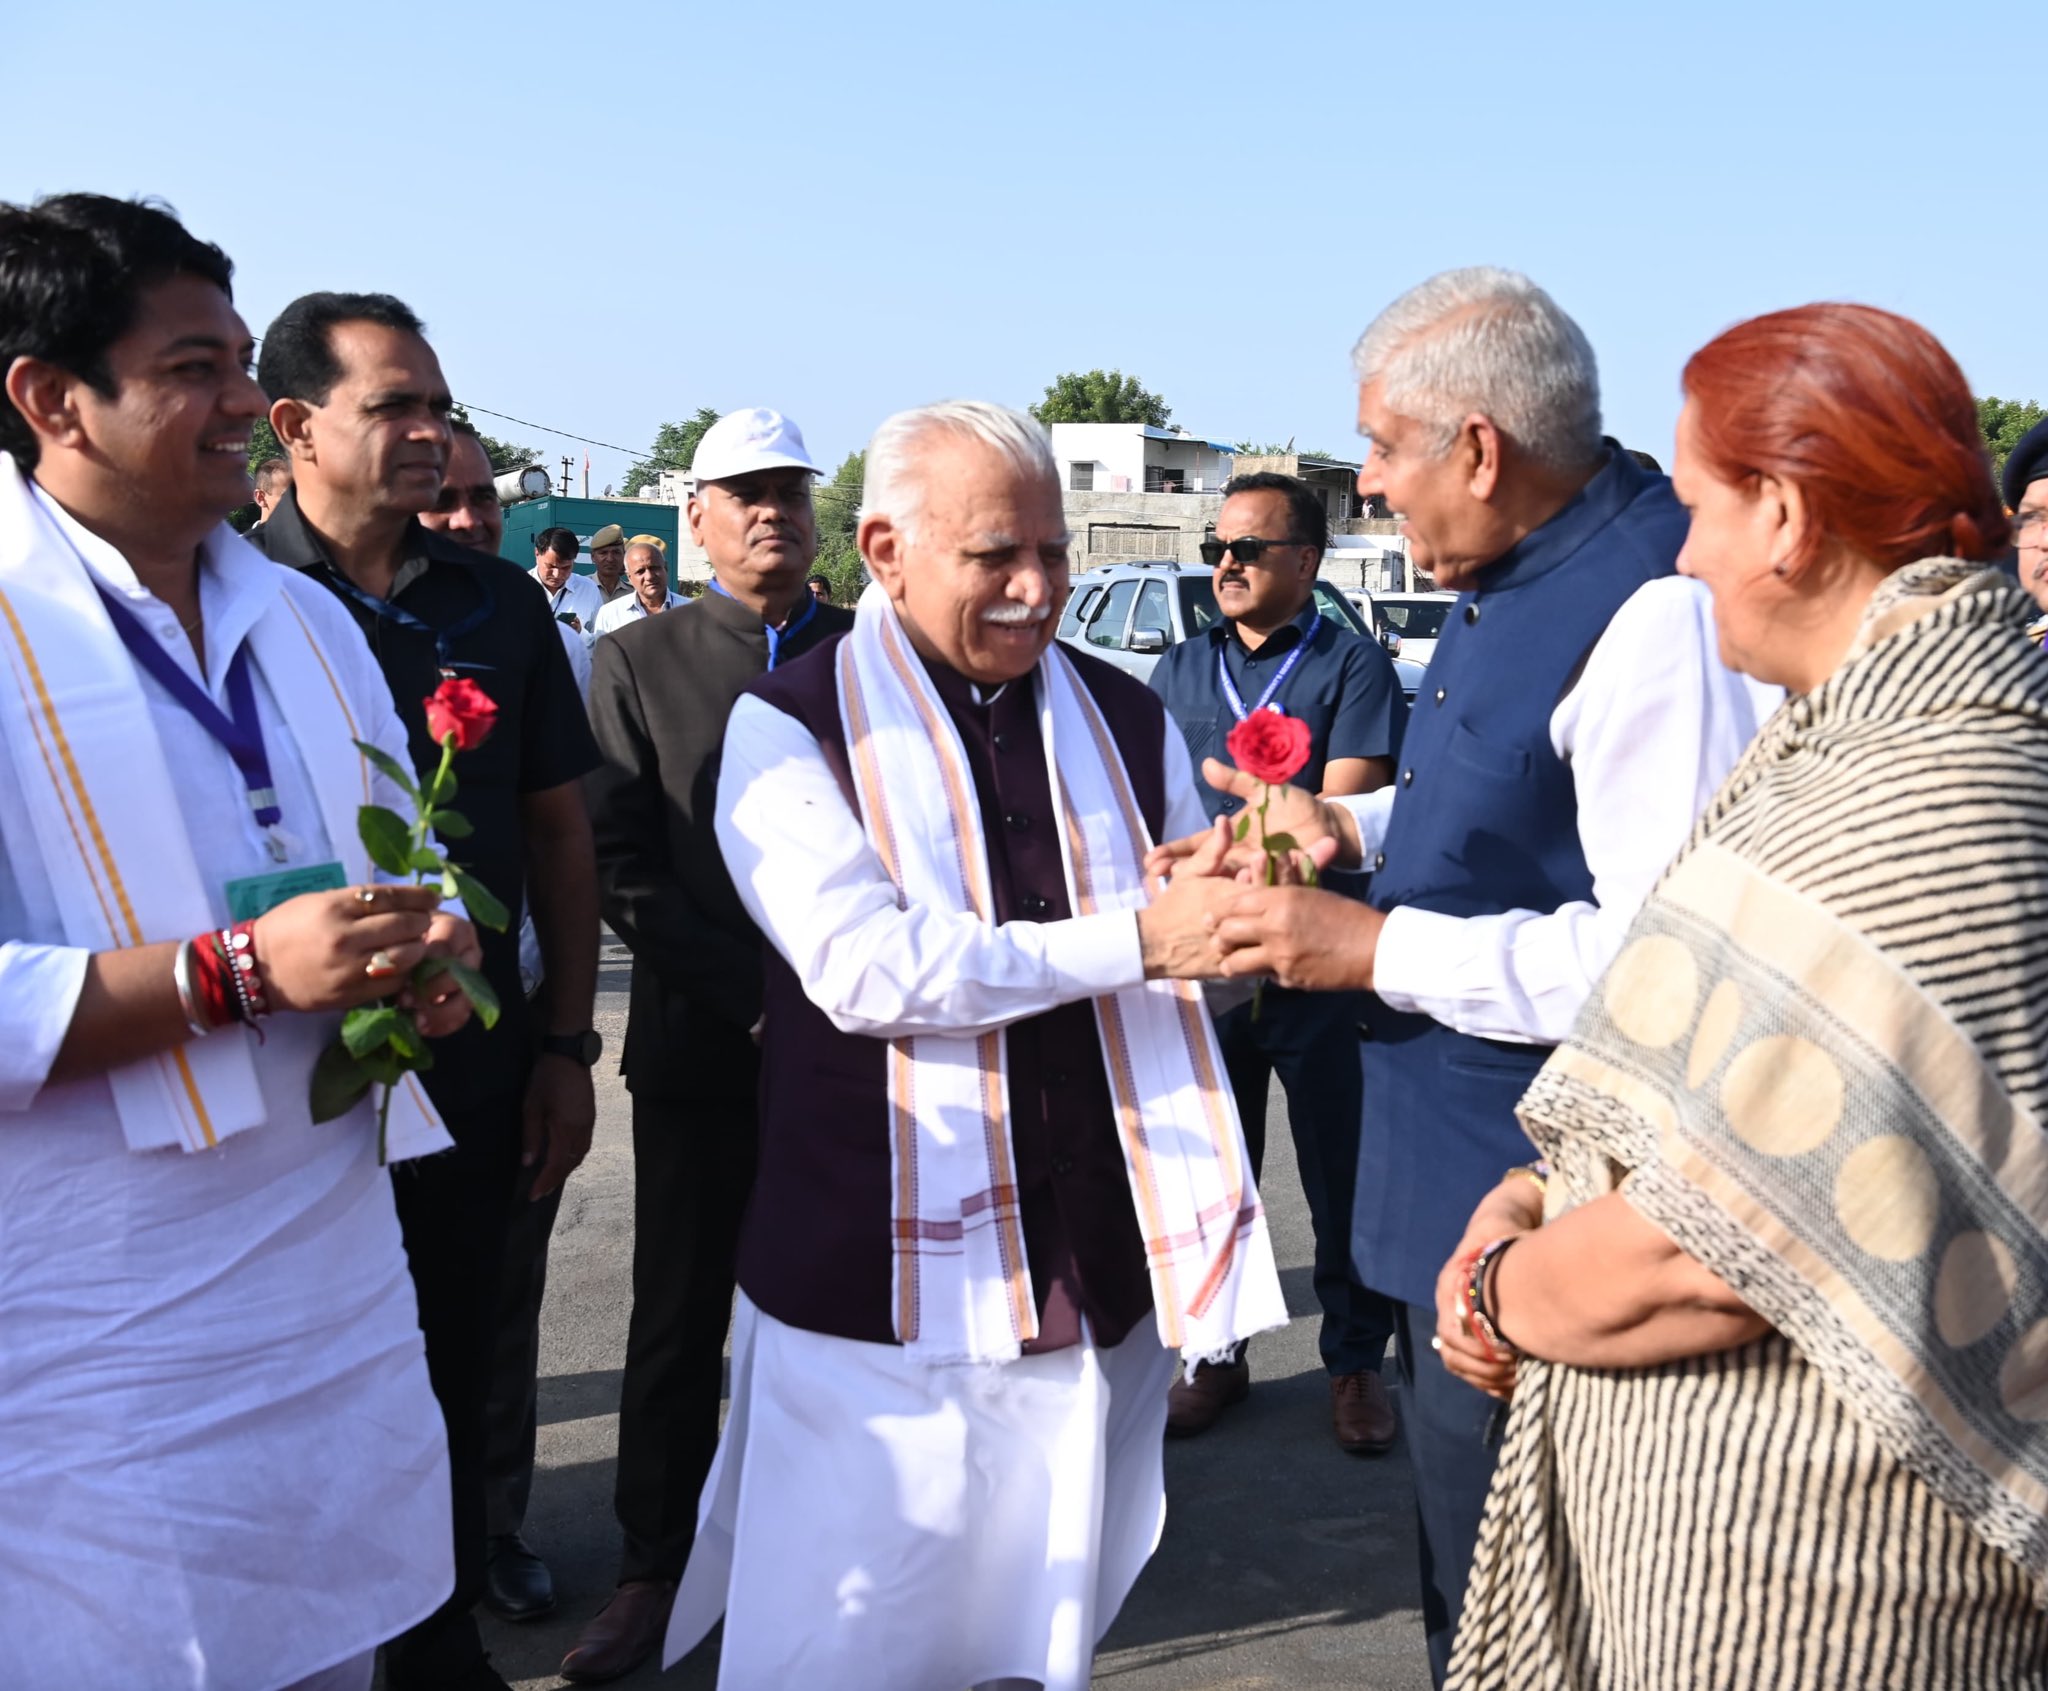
{"type": "Point", "coordinates": [1130, 613]}
{"type": "Point", "coordinates": [1406, 623]}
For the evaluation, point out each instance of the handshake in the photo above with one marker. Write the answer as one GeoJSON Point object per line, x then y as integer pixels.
{"type": "Point", "coordinates": [1238, 903]}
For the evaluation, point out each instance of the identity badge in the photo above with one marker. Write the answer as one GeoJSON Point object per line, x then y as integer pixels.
{"type": "Point", "coordinates": [253, 895]}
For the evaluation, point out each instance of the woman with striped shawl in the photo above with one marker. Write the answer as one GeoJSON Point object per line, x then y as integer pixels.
{"type": "Point", "coordinates": [1773, 1310]}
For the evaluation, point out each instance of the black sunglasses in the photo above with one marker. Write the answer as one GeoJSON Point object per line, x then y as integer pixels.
{"type": "Point", "coordinates": [1246, 549]}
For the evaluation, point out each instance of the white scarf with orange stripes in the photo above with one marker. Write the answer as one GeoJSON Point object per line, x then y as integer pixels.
{"type": "Point", "coordinates": [962, 1289]}
{"type": "Point", "coordinates": [82, 745]}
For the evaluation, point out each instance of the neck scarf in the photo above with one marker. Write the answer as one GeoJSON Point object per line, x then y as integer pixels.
{"type": "Point", "coordinates": [83, 747]}
{"type": "Point", "coordinates": [962, 1290]}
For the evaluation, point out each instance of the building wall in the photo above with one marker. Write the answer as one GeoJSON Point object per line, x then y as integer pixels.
{"type": "Point", "coordinates": [1115, 528]}
{"type": "Point", "coordinates": [1115, 449]}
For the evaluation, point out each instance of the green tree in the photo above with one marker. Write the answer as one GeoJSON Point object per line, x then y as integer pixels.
{"type": "Point", "coordinates": [2003, 422]}
{"type": "Point", "coordinates": [838, 507]}
{"type": "Point", "coordinates": [262, 444]}
{"type": "Point", "coordinates": [675, 444]}
{"type": "Point", "coordinates": [1100, 397]}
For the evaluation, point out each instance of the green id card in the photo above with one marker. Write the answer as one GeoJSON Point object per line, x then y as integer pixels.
{"type": "Point", "coordinates": [251, 896]}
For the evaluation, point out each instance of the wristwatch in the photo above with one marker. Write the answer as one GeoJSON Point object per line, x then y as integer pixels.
{"type": "Point", "coordinates": [584, 1048]}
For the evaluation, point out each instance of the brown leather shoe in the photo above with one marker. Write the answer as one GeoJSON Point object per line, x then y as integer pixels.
{"type": "Point", "coordinates": [1198, 1399]}
{"type": "Point", "coordinates": [1362, 1413]}
{"type": "Point", "coordinates": [623, 1634]}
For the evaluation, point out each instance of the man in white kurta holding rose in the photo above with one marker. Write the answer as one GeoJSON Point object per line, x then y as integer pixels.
{"type": "Point", "coordinates": [221, 1465]}
{"type": "Point", "coordinates": [1002, 1181]}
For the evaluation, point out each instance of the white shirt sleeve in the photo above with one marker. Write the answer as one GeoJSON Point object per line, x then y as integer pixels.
{"type": "Point", "coordinates": [806, 873]}
{"type": "Point", "coordinates": [39, 988]}
{"type": "Point", "coordinates": [1370, 811]}
{"type": "Point", "coordinates": [1651, 729]}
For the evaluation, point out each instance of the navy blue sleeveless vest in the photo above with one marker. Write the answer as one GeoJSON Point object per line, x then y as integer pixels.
{"type": "Point", "coordinates": [1487, 821]}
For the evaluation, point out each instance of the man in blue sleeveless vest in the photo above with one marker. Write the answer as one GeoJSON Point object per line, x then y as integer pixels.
{"type": "Point", "coordinates": [1574, 720]}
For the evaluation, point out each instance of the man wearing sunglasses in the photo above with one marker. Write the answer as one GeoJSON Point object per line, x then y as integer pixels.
{"type": "Point", "coordinates": [1274, 651]}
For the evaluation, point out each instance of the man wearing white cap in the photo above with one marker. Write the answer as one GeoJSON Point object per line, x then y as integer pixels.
{"type": "Point", "coordinates": [660, 694]}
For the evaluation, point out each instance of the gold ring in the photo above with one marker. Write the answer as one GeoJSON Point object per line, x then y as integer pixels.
{"type": "Point", "coordinates": [366, 895]}
{"type": "Point", "coordinates": [380, 965]}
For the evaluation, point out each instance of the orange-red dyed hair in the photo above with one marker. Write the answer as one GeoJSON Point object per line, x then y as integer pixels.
{"type": "Point", "coordinates": [1866, 413]}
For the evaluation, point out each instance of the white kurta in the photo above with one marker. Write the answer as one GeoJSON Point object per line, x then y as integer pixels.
{"type": "Point", "coordinates": [874, 1523]}
{"type": "Point", "coordinates": [221, 1463]}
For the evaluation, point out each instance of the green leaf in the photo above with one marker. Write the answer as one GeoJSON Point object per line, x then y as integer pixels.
{"type": "Point", "coordinates": [338, 1083]}
{"type": "Point", "coordinates": [1244, 825]}
{"type": "Point", "coordinates": [449, 824]}
{"type": "Point", "coordinates": [426, 861]}
{"type": "Point", "coordinates": [383, 1067]}
{"type": "Point", "coordinates": [478, 899]}
{"type": "Point", "coordinates": [1309, 872]}
{"type": "Point", "coordinates": [400, 776]}
{"type": "Point", "coordinates": [1282, 842]}
{"type": "Point", "coordinates": [386, 837]}
{"type": "Point", "coordinates": [368, 1028]}
{"type": "Point", "coordinates": [406, 1039]}
{"type": "Point", "coordinates": [474, 987]}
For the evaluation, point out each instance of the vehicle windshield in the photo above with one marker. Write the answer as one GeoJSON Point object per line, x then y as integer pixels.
{"type": "Point", "coordinates": [1198, 608]}
{"type": "Point", "coordinates": [1416, 620]}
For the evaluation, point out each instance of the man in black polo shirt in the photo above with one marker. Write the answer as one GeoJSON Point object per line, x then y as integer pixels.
{"type": "Point", "coordinates": [1273, 650]}
{"type": "Point", "coordinates": [359, 402]}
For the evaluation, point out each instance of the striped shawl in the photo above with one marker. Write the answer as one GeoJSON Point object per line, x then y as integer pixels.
{"type": "Point", "coordinates": [1817, 1062]}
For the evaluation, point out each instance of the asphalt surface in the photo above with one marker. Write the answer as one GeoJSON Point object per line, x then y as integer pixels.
{"type": "Point", "coordinates": [1285, 1562]}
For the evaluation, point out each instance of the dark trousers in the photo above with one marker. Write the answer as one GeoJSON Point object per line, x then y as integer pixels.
{"type": "Point", "coordinates": [693, 1170]}
{"type": "Point", "coordinates": [511, 1419]}
{"type": "Point", "coordinates": [453, 1211]}
{"type": "Point", "coordinates": [1451, 1457]}
{"type": "Point", "coordinates": [1311, 1040]}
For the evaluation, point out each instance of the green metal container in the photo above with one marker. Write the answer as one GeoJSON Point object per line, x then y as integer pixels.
{"type": "Point", "coordinates": [583, 518]}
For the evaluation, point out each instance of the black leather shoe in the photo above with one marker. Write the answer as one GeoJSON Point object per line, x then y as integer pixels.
{"type": "Point", "coordinates": [517, 1584]}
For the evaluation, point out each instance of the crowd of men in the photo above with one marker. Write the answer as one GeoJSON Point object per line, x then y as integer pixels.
{"type": "Point", "coordinates": [948, 1091]}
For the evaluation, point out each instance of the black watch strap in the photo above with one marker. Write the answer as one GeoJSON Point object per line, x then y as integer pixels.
{"type": "Point", "coordinates": [584, 1048]}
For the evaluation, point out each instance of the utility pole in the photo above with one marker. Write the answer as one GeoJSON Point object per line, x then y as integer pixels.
{"type": "Point", "coordinates": [566, 462]}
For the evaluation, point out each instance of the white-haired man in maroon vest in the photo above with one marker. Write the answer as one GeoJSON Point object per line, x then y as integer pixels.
{"type": "Point", "coordinates": [1001, 1176]}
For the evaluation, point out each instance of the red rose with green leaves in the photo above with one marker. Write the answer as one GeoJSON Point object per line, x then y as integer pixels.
{"type": "Point", "coordinates": [1272, 747]}
{"type": "Point", "coordinates": [462, 708]}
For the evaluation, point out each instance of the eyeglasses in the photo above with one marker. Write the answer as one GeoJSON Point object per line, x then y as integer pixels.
{"type": "Point", "coordinates": [1246, 549]}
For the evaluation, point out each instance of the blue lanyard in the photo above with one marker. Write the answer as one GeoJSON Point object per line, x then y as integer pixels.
{"type": "Point", "coordinates": [444, 638]}
{"type": "Point", "coordinates": [238, 729]}
{"type": "Point", "coordinates": [1280, 675]}
{"type": "Point", "coordinates": [789, 631]}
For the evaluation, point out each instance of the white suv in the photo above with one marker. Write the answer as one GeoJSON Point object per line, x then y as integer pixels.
{"type": "Point", "coordinates": [1130, 613]}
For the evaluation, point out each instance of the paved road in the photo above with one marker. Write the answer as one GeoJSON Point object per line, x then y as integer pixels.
{"type": "Point", "coordinates": [1285, 1562]}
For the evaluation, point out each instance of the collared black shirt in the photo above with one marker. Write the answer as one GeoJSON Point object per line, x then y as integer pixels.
{"type": "Point", "coordinates": [541, 739]}
{"type": "Point", "coordinates": [1345, 688]}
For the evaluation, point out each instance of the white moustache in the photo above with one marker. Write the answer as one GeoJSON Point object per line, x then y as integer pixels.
{"type": "Point", "coordinates": [1015, 615]}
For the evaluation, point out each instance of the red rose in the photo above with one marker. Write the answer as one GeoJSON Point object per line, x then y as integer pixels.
{"type": "Point", "coordinates": [1272, 747]}
{"type": "Point", "coordinates": [463, 709]}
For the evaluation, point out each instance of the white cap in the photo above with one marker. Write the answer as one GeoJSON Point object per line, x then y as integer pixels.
{"type": "Point", "coordinates": [741, 442]}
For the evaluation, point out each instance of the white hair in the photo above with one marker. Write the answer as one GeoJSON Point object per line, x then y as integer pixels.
{"type": "Point", "coordinates": [1487, 340]}
{"type": "Point", "coordinates": [894, 487]}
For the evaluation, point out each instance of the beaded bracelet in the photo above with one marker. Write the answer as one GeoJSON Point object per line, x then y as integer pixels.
{"type": "Point", "coordinates": [238, 948]}
{"type": "Point", "coordinates": [1478, 1318]}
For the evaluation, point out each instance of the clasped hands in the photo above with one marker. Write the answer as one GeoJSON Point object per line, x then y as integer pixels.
{"type": "Point", "coordinates": [1218, 917]}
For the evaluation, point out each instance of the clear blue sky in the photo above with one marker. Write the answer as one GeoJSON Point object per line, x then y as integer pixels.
{"type": "Point", "coordinates": [612, 213]}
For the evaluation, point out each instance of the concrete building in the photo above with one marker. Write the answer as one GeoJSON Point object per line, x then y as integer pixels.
{"type": "Point", "coordinates": [1336, 479]}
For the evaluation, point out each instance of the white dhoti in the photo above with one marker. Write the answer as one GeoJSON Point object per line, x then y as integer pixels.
{"type": "Point", "coordinates": [875, 1522]}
